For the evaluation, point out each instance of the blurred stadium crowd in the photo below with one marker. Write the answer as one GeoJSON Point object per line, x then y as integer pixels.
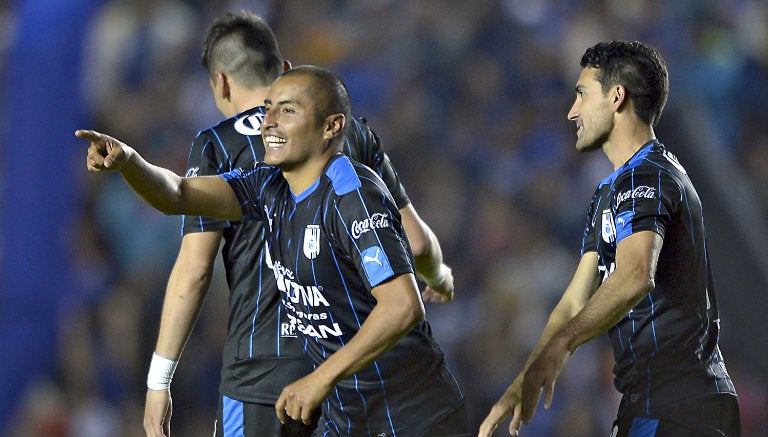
{"type": "Point", "coordinates": [470, 99]}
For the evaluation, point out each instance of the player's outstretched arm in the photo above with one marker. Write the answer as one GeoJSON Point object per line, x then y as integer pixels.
{"type": "Point", "coordinates": [209, 196]}
{"type": "Point", "coordinates": [187, 286]}
{"type": "Point", "coordinates": [398, 309]}
{"type": "Point", "coordinates": [428, 257]}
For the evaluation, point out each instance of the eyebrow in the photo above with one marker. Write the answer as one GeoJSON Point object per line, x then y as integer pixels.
{"type": "Point", "coordinates": [282, 102]}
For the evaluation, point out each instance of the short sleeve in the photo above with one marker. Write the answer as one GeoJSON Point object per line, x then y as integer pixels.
{"type": "Point", "coordinates": [366, 225]}
{"type": "Point", "coordinates": [203, 160]}
{"type": "Point", "coordinates": [644, 200]}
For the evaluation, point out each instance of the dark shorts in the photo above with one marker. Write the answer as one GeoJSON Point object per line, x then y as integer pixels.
{"type": "Point", "coordinates": [242, 419]}
{"type": "Point", "coordinates": [453, 424]}
{"type": "Point", "coordinates": [715, 417]}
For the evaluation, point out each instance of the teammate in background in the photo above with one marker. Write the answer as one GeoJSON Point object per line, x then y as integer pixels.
{"type": "Point", "coordinates": [262, 353]}
{"type": "Point", "coordinates": [644, 275]}
{"type": "Point", "coordinates": [340, 257]}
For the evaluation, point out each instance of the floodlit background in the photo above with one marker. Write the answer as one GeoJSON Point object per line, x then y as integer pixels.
{"type": "Point", "coordinates": [470, 99]}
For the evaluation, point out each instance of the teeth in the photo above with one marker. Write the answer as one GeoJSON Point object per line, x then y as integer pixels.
{"type": "Point", "coordinates": [273, 141]}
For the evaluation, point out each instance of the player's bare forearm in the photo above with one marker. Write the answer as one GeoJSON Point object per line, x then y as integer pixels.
{"type": "Point", "coordinates": [187, 287]}
{"type": "Point", "coordinates": [159, 187]}
{"type": "Point", "coordinates": [581, 287]}
{"type": "Point", "coordinates": [397, 311]}
{"type": "Point", "coordinates": [427, 257]}
{"type": "Point", "coordinates": [631, 281]}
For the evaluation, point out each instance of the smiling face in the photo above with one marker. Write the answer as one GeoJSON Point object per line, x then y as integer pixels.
{"type": "Point", "coordinates": [291, 130]}
{"type": "Point", "coordinates": [592, 112]}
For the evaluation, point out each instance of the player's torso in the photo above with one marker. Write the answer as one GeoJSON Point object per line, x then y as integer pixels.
{"type": "Point", "coordinates": [665, 347]}
{"type": "Point", "coordinates": [261, 353]}
{"type": "Point", "coordinates": [320, 286]}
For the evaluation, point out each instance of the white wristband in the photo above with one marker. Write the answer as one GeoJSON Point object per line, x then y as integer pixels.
{"type": "Point", "coordinates": [160, 372]}
{"type": "Point", "coordinates": [436, 282]}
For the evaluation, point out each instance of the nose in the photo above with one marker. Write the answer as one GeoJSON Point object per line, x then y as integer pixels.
{"type": "Point", "coordinates": [573, 113]}
{"type": "Point", "coordinates": [268, 120]}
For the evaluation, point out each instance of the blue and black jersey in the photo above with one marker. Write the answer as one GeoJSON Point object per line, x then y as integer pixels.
{"type": "Point", "coordinates": [329, 246]}
{"type": "Point", "coordinates": [666, 347]}
{"type": "Point", "coordinates": [262, 354]}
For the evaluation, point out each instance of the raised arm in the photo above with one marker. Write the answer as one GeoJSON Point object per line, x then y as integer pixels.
{"type": "Point", "coordinates": [398, 309]}
{"type": "Point", "coordinates": [164, 190]}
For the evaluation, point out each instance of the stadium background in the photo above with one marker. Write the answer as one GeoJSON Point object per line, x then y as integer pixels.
{"type": "Point", "coordinates": [470, 98]}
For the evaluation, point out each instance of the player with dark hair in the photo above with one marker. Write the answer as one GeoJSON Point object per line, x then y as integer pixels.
{"type": "Point", "coordinates": [340, 258]}
{"type": "Point", "coordinates": [262, 353]}
{"type": "Point", "coordinates": [644, 275]}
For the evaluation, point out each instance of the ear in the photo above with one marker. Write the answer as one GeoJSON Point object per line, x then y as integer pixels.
{"type": "Point", "coordinates": [334, 125]}
{"type": "Point", "coordinates": [618, 97]}
{"type": "Point", "coordinates": [221, 85]}
{"type": "Point", "coordinates": [286, 65]}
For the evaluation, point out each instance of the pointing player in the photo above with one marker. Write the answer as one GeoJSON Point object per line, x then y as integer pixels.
{"type": "Point", "coordinates": [352, 296]}
{"type": "Point", "coordinates": [262, 353]}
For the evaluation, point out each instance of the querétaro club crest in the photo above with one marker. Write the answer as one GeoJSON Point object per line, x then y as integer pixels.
{"type": "Point", "coordinates": [608, 226]}
{"type": "Point", "coordinates": [312, 241]}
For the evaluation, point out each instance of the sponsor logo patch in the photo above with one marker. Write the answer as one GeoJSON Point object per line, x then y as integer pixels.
{"type": "Point", "coordinates": [641, 192]}
{"type": "Point", "coordinates": [249, 124]}
{"type": "Point", "coordinates": [376, 265]}
{"type": "Point", "coordinates": [375, 221]}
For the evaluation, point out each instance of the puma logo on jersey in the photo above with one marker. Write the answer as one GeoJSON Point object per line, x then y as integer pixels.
{"type": "Point", "coordinates": [376, 265]}
{"type": "Point", "coordinates": [374, 259]}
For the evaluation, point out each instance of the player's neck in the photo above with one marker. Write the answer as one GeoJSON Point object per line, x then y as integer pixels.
{"type": "Point", "coordinates": [622, 145]}
{"type": "Point", "coordinates": [251, 98]}
{"type": "Point", "coordinates": [303, 176]}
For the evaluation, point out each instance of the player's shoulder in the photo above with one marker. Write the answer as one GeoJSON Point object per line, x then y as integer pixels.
{"type": "Point", "coordinates": [346, 176]}
{"type": "Point", "coordinates": [360, 142]}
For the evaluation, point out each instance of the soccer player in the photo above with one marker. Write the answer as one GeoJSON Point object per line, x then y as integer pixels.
{"type": "Point", "coordinates": [644, 275]}
{"type": "Point", "coordinates": [262, 353]}
{"type": "Point", "coordinates": [340, 257]}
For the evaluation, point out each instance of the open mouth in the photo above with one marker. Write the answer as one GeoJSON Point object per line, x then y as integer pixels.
{"type": "Point", "coordinates": [274, 142]}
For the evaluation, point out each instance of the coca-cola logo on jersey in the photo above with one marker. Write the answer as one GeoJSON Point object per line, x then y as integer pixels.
{"type": "Point", "coordinates": [375, 221]}
{"type": "Point", "coordinates": [641, 192]}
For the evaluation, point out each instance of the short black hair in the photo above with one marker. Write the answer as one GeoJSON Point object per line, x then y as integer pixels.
{"type": "Point", "coordinates": [639, 67]}
{"type": "Point", "coordinates": [327, 90]}
{"type": "Point", "coordinates": [242, 45]}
